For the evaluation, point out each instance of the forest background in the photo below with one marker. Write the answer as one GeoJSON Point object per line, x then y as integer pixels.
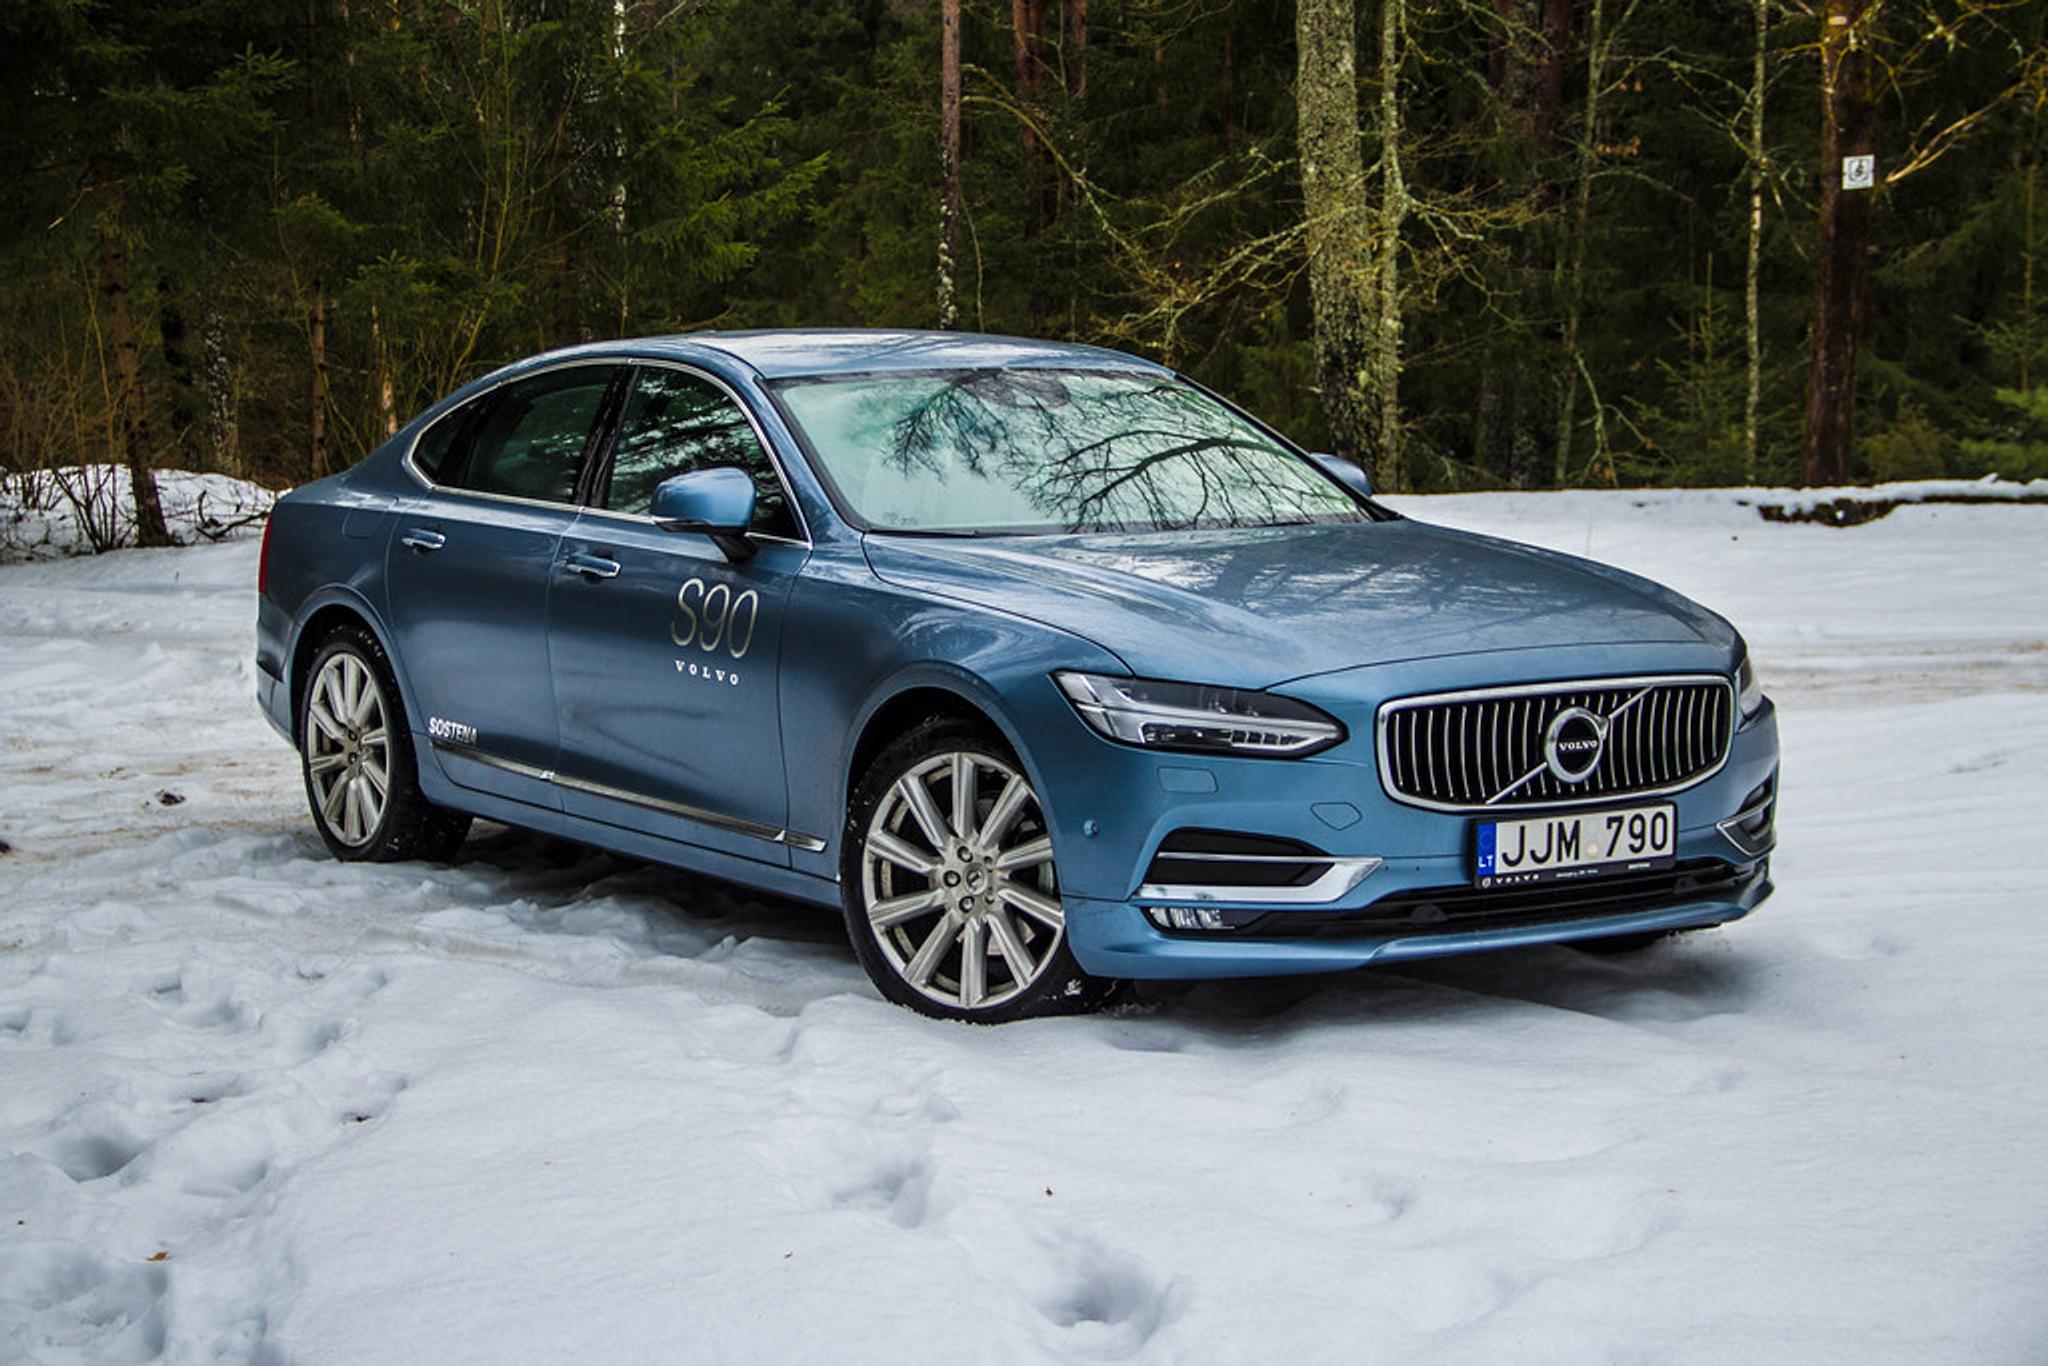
{"type": "Point", "coordinates": [1470, 243]}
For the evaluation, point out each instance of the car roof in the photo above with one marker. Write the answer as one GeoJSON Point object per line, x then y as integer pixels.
{"type": "Point", "coordinates": [783, 353]}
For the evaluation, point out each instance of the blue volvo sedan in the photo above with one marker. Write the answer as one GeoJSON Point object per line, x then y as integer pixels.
{"type": "Point", "coordinates": [1045, 666]}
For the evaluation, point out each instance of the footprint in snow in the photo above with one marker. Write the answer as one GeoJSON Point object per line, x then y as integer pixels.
{"type": "Point", "coordinates": [81, 1307]}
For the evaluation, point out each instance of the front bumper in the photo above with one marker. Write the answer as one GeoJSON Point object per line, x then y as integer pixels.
{"type": "Point", "coordinates": [1117, 940]}
{"type": "Point", "coordinates": [1113, 806]}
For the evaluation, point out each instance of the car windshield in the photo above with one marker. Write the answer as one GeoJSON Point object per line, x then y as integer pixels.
{"type": "Point", "coordinates": [995, 451]}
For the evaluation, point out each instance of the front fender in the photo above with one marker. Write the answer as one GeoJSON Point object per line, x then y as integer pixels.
{"type": "Point", "coordinates": [854, 644]}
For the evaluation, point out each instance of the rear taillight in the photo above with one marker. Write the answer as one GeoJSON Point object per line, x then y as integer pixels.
{"type": "Point", "coordinates": [263, 559]}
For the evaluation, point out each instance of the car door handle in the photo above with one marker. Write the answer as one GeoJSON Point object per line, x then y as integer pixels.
{"type": "Point", "coordinates": [422, 540]}
{"type": "Point", "coordinates": [591, 566]}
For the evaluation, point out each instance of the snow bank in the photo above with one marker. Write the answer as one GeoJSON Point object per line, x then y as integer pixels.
{"type": "Point", "coordinates": [548, 1105]}
{"type": "Point", "coordinates": [74, 510]}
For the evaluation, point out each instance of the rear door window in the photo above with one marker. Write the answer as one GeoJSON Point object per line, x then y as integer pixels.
{"type": "Point", "coordinates": [531, 438]}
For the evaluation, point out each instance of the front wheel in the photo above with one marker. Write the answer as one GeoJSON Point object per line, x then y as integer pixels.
{"type": "Point", "coordinates": [356, 753]}
{"type": "Point", "coordinates": [952, 899]}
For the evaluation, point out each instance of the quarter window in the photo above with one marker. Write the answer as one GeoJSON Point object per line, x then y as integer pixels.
{"type": "Point", "coordinates": [676, 422]}
{"type": "Point", "coordinates": [530, 441]}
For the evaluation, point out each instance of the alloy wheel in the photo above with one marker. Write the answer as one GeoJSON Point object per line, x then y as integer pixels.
{"type": "Point", "coordinates": [348, 749]}
{"type": "Point", "coordinates": [958, 883]}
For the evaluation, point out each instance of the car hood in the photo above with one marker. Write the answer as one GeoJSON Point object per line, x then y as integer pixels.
{"type": "Point", "coordinates": [1255, 608]}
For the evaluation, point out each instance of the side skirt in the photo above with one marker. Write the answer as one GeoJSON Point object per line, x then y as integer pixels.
{"type": "Point", "coordinates": [690, 858]}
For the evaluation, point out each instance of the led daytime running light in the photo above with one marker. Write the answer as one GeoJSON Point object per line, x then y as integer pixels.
{"type": "Point", "coordinates": [1196, 718]}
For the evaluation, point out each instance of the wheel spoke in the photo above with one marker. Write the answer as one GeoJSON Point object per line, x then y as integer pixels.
{"type": "Point", "coordinates": [1004, 813]}
{"type": "Point", "coordinates": [918, 798]}
{"type": "Point", "coordinates": [1033, 903]}
{"type": "Point", "coordinates": [373, 738]}
{"type": "Point", "coordinates": [964, 795]}
{"type": "Point", "coordinates": [1026, 855]}
{"type": "Point", "coordinates": [379, 781]}
{"type": "Point", "coordinates": [884, 914]}
{"type": "Point", "coordinates": [919, 970]}
{"type": "Point", "coordinates": [352, 810]}
{"type": "Point", "coordinates": [1004, 934]}
{"type": "Point", "coordinates": [325, 722]}
{"type": "Point", "coordinates": [900, 852]}
{"type": "Point", "coordinates": [973, 964]}
{"type": "Point", "coordinates": [336, 693]}
{"type": "Point", "coordinates": [326, 763]}
{"type": "Point", "coordinates": [366, 705]}
{"type": "Point", "coordinates": [331, 803]}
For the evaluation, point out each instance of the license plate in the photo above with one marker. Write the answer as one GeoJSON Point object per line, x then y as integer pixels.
{"type": "Point", "coordinates": [1578, 844]}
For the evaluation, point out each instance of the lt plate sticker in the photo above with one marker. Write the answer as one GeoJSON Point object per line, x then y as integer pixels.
{"type": "Point", "coordinates": [1550, 848]}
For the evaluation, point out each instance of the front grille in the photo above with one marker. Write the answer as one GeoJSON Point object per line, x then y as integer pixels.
{"type": "Point", "coordinates": [1465, 751]}
{"type": "Point", "coordinates": [1451, 910]}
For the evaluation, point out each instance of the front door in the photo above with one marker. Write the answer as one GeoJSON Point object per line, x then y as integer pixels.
{"type": "Point", "coordinates": [664, 652]}
{"type": "Point", "coordinates": [470, 567]}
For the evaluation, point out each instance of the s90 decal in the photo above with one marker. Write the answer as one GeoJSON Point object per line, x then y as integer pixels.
{"type": "Point", "coordinates": [712, 617]}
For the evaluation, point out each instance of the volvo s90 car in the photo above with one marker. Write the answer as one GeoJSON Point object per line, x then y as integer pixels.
{"type": "Point", "coordinates": [1045, 666]}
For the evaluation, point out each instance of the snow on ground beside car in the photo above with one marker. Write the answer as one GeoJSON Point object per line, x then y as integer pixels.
{"type": "Point", "coordinates": [546, 1104]}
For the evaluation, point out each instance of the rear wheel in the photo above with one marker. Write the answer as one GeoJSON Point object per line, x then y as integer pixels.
{"type": "Point", "coordinates": [356, 753]}
{"type": "Point", "coordinates": [952, 898]}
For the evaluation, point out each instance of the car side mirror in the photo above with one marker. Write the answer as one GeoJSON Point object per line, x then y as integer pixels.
{"type": "Point", "coordinates": [718, 503]}
{"type": "Point", "coordinates": [1351, 475]}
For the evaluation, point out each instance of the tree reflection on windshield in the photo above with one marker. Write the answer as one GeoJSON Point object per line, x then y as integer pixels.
{"type": "Point", "coordinates": [1014, 450]}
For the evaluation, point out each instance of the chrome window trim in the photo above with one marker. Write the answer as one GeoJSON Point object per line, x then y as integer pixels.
{"type": "Point", "coordinates": [614, 362]}
{"type": "Point", "coordinates": [718, 820]}
{"type": "Point", "coordinates": [1398, 704]}
{"type": "Point", "coordinates": [1338, 880]}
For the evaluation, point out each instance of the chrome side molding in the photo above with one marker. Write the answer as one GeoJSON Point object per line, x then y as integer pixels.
{"type": "Point", "coordinates": [718, 820]}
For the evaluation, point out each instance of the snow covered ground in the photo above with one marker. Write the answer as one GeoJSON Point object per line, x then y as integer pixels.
{"type": "Point", "coordinates": [546, 1105]}
{"type": "Point", "coordinates": [56, 513]}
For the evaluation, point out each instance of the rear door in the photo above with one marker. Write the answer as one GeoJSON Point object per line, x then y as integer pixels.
{"type": "Point", "coordinates": [664, 652]}
{"type": "Point", "coordinates": [470, 567]}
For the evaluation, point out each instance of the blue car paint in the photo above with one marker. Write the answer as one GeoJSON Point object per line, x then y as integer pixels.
{"type": "Point", "coordinates": [1344, 617]}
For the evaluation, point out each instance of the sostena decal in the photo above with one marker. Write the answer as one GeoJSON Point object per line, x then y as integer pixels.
{"type": "Point", "coordinates": [716, 621]}
{"type": "Point", "coordinates": [453, 731]}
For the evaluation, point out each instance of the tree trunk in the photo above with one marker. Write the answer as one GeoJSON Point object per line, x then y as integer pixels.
{"type": "Point", "coordinates": [1547, 115]}
{"type": "Point", "coordinates": [1575, 269]}
{"type": "Point", "coordinates": [1527, 67]}
{"type": "Point", "coordinates": [2027, 275]}
{"type": "Point", "coordinates": [185, 410]}
{"type": "Point", "coordinates": [949, 164]}
{"type": "Point", "coordinates": [1841, 293]}
{"type": "Point", "coordinates": [316, 445]}
{"type": "Point", "coordinates": [1753, 337]}
{"type": "Point", "coordinates": [1340, 263]}
{"type": "Point", "coordinates": [217, 381]}
{"type": "Point", "coordinates": [149, 509]}
{"type": "Point", "coordinates": [1386, 341]}
{"type": "Point", "coordinates": [1228, 93]}
{"type": "Point", "coordinates": [620, 237]}
{"type": "Point", "coordinates": [380, 378]}
{"type": "Point", "coordinates": [1041, 193]}
{"type": "Point", "coordinates": [1074, 13]}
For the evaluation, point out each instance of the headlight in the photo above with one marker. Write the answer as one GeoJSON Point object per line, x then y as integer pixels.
{"type": "Point", "coordinates": [1198, 719]}
{"type": "Point", "coordinates": [1749, 694]}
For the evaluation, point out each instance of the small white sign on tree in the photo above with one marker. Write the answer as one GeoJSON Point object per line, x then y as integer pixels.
{"type": "Point", "coordinates": [1859, 173]}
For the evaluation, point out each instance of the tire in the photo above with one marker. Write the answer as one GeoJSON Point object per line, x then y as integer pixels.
{"type": "Point", "coordinates": [958, 928]}
{"type": "Point", "coordinates": [352, 732]}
